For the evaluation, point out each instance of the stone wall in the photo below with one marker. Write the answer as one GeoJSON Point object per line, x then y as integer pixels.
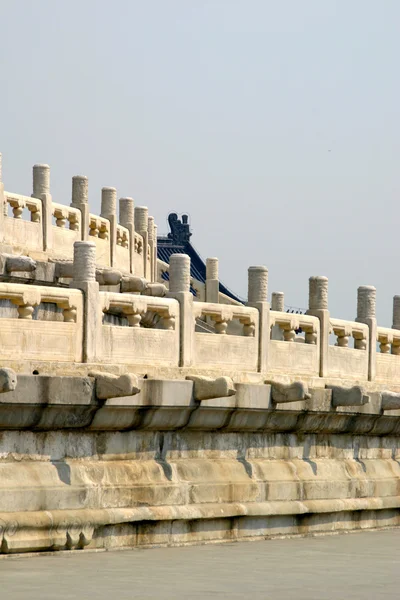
{"type": "Point", "coordinates": [161, 468]}
{"type": "Point", "coordinates": [133, 415]}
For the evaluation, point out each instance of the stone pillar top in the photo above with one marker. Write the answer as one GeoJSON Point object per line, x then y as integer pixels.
{"type": "Point", "coordinates": [84, 267]}
{"type": "Point", "coordinates": [318, 293]}
{"type": "Point", "coordinates": [108, 201]}
{"type": "Point", "coordinates": [179, 273]}
{"type": "Point", "coordinates": [141, 218]}
{"type": "Point", "coordinates": [278, 301]}
{"type": "Point", "coordinates": [80, 189]}
{"type": "Point", "coordinates": [126, 211]}
{"type": "Point", "coordinates": [366, 302]}
{"type": "Point", "coordinates": [41, 180]}
{"type": "Point", "coordinates": [396, 312]}
{"type": "Point", "coordinates": [257, 284]}
{"type": "Point", "coordinates": [150, 228]}
{"type": "Point", "coordinates": [212, 268]}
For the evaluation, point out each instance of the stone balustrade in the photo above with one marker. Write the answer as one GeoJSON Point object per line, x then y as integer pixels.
{"type": "Point", "coordinates": [344, 360]}
{"type": "Point", "coordinates": [299, 344]}
{"type": "Point", "coordinates": [52, 228]}
{"type": "Point", "coordinates": [235, 341]}
{"type": "Point", "coordinates": [18, 231]}
{"type": "Point", "coordinates": [45, 230]}
{"type": "Point", "coordinates": [150, 337]}
{"type": "Point", "coordinates": [388, 357]}
{"type": "Point", "coordinates": [136, 327]}
{"type": "Point", "coordinates": [26, 338]}
{"type": "Point", "coordinates": [67, 229]}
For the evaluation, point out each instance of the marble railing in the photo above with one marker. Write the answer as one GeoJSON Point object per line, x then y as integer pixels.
{"type": "Point", "coordinates": [35, 225]}
{"type": "Point", "coordinates": [148, 332]}
{"type": "Point", "coordinates": [25, 337]}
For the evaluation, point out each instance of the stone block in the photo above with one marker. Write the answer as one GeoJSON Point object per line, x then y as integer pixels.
{"type": "Point", "coordinates": [64, 269]}
{"type": "Point", "coordinates": [108, 276]}
{"type": "Point", "coordinates": [293, 392]}
{"type": "Point", "coordinates": [253, 396]}
{"type": "Point", "coordinates": [8, 380]}
{"type": "Point", "coordinates": [133, 284]}
{"type": "Point", "coordinates": [206, 388]}
{"type": "Point", "coordinates": [155, 289]}
{"type": "Point", "coordinates": [20, 263]}
{"type": "Point", "coordinates": [162, 392]}
{"type": "Point", "coordinates": [114, 386]}
{"type": "Point", "coordinates": [390, 401]}
{"type": "Point", "coordinates": [43, 389]}
{"type": "Point", "coordinates": [345, 396]}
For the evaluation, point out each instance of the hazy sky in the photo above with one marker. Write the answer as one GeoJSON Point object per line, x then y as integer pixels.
{"type": "Point", "coordinates": [274, 124]}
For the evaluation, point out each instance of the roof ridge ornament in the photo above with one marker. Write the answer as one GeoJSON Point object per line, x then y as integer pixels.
{"type": "Point", "coordinates": [180, 229]}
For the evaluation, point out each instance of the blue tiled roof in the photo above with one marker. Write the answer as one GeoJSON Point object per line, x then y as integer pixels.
{"type": "Point", "coordinates": [166, 247]}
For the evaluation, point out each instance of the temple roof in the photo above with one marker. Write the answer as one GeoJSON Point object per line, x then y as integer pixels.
{"type": "Point", "coordinates": [178, 242]}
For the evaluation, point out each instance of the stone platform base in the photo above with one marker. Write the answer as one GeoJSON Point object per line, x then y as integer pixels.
{"type": "Point", "coordinates": [64, 530]}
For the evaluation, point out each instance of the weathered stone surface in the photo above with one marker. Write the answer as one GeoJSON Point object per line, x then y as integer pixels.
{"type": "Point", "coordinates": [343, 396]}
{"type": "Point", "coordinates": [114, 386]}
{"type": "Point", "coordinates": [293, 392]}
{"type": "Point", "coordinates": [64, 269]}
{"type": "Point", "coordinates": [20, 263]}
{"type": "Point", "coordinates": [253, 396]}
{"type": "Point", "coordinates": [390, 401]}
{"type": "Point", "coordinates": [116, 460]}
{"type": "Point", "coordinates": [133, 284]}
{"type": "Point", "coordinates": [108, 276]}
{"type": "Point", "coordinates": [8, 380]}
{"type": "Point", "coordinates": [205, 388]}
{"type": "Point", "coordinates": [43, 389]}
{"type": "Point", "coordinates": [155, 289]}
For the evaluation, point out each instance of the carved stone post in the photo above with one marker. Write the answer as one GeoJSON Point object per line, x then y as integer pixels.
{"type": "Point", "coordinates": [155, 274]}
{"type": "Point", "coordinates": [150, 230]}
{"type": "Point", "coordinates": [257, 297]}
{"type": "Point", "coordinates": [366, 313]}
{"type": "Point", "coordinates": [396, 312]}
{"type": "Point", "coordinates": [84, 278]}
{"type": "Point", "coordinates": [127, 219]}
{"type": "Point", "coordinates": [141, 226]}
{"type": "Point", "coordinates": [318, 307]}
{"type": "Point", "coordinates": [396, 322]}
{"type": "Point", "coordinates": [3, 206]}
{"type": "Point", "coordinates": [179, 288]}
{"type": "Point", "coordinates": [80, 191]}
{"type": "Point", "coordinates": [41, 190]}
{"type": "Point", "coordinates": [109, 211]}
{"type": "Point", "coordinates": [212, 280]}
{"type": "Point", "coordinates": [278, 305]}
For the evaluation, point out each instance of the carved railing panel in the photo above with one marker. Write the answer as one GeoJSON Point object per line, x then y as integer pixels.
{"type": "Point", "coordinates": [152, 334]}
{"type": "Point", "coordinates": [26, 338]}
{"type": "Point", "coordinates": [343, 360]}
{"type": "Point", "coordinates": [296, 352]}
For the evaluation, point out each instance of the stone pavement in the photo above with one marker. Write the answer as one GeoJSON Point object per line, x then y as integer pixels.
{"type": "Point", "coordinates": [362, 565]}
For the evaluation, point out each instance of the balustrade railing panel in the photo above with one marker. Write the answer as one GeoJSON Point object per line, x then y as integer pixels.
{"type": "Point", "coordinates": [223, 349]}
{"type": "Point", "coordinates": [99, 232]}
{"type": "Point", "coordinates": [344, 361]}
{"type": "Point", "coordinates": [388, 356]}
{"type": "Point", "coordinates": [122, 249]}
{"type": "Point", "coordinates": [295, 353]}
{"type": "Point", "coordinates": [25, 338]}
{"type": "Point", "coordinates": [66, 230]}
{"type": "Point", "coordinates": [18, 231]}
{"type": "Point", "coordinates": [152, 336]}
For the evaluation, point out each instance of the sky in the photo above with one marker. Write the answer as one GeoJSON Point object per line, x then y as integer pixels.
{"type": "Point", "coordinates": [273, 124]}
